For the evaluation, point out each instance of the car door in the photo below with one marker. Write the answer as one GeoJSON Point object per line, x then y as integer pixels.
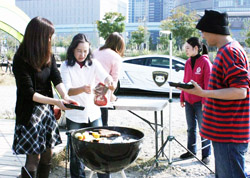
{"type": "Point", "coordinates": [133, 73]}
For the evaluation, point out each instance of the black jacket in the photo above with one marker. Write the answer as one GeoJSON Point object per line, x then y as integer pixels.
{"type": "Point", "coordinates": [29, 81]}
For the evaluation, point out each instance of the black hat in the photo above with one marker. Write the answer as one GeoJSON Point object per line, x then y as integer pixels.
{"type": "Point", "coordinates": [214, 22]}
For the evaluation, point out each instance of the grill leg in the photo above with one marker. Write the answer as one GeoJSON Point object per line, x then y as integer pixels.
{"type": "Point", "coordinates": [91, 174]}
{"type": "Point", "coordinates": [123, 174]}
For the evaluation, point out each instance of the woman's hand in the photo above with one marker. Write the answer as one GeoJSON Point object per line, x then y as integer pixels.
{"type": "Point", "coordinates": [66, 100]}
{"type": "Point", "coordinates": [109, 82]}
{"type": "Point", "coordinates": [182, 104]}
{"type": "Point", "coordinates": [87, 89]}
{"type": "Point", "coordinates": [197, 90]}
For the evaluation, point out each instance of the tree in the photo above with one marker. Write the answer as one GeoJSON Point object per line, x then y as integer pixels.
{"type": "Point", "coordinates": [181, 24]}
{"type": "Point", "coordinates": [248, 39]}
{"type": "Point", "coordinates": [246, 33]}
{"type": "Point", "coordinates": [112, 22]}
{"type": "Point", "coordinates": [63, 41]}
{"type": "Point", "coordinates": [138, 37]}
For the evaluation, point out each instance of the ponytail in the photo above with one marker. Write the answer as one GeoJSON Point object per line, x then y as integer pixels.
{"type": "Point", "coordinates": [194, 41]}
{"type": "Point", "coordinates": [204, 49]}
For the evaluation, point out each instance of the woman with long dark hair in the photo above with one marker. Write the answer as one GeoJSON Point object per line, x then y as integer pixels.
{"type": "Point", "coordinates": [79, 72]}
{"type": "Point", "coordinates": [34, 68]}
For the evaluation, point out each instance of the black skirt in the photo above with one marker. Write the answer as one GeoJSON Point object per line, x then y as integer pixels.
{"type": "Point", "coordinates": [41, 133]}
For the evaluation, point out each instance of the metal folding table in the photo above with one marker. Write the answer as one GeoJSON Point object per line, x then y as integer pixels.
{"type": "Point", "coordinates": [145, 103]}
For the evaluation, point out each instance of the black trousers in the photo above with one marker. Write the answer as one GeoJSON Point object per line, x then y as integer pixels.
{"type": "Point", "coordinates": [104, 116]}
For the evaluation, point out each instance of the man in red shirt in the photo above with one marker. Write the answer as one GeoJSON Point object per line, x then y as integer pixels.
{"type": "Point", "coordinates": [226, 116]}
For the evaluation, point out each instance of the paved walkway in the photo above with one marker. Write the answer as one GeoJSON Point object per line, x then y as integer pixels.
{"type": "Point", "coordinates": [10, 164]}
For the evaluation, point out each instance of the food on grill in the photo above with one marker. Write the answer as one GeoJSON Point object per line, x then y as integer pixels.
{"type": "Point", "coordinates": [103, 136]}
{"type": "Point", "coordinates": [108, 133]}
{"type": "Point", "coordinates": [96, 134]}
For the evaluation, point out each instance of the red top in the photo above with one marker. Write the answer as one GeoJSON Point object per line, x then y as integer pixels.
{"type": "Point", "coordinates": [228, 120]}
{"type": "Point", "coordinates": [200, 74]}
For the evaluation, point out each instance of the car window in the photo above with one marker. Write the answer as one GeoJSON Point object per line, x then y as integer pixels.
{"type": "Point", "coordinates": [138, 61]}
{"type": "Point", "coordinates": [161, 62]}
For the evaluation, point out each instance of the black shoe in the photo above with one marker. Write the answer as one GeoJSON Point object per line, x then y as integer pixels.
{"type": "Point", "coordinates": [186, 155]}
{"type": "Point", "coordinates": [206, 160]}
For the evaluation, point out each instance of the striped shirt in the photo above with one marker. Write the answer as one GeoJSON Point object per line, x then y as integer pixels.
{"type": "Point", "coordinates": [228, 120]}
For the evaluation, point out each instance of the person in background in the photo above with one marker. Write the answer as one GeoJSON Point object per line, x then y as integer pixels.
{"type": "Point", "coordinates": [197, 68]}
{"type": "Point", "coordinates": [36, 129]}
{"type": "Point", "coordinates": [226, 115]}
{"type": "Point", "coordinates": [78, 74]}
{"type": "Point", "coordinates": [110, 56]}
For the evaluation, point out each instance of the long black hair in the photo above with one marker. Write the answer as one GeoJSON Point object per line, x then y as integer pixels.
{"type": "Point", "coordinates": [35, 49]}
{"type": "Point", "coordinates": [194, 41]}
{"type": "Point", "coordinates": [79, 38]}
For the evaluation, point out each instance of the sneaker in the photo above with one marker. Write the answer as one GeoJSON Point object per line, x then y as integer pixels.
{"type": "Point", "coordinates": [206, 160]}
{"type": "Point", "coordinates": [186, 155]}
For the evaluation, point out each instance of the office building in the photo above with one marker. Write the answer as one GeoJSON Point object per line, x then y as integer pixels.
{"type": "Point", "coordinates": [145, 12]}
{"type": "Point", "coordinates": [73, 16]}
{"type": "Point", "coordinates": [238, 12]}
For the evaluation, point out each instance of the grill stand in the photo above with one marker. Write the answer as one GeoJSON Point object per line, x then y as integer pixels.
{"type": "Point", "coordinates": [122, 173]}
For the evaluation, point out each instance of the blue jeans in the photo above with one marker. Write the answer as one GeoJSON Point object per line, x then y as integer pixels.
{"type": "Point", "coordinates": [193, 115]}
{"type": "Point", "coordinates": [230, 159]}
{"type": "Point", "coordinates": [76, 166]}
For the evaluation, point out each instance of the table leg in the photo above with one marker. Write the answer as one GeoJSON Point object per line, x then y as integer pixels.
{"type": "Point", "coordinates": [162, 133]}
{"type": "Point", "coordinates": [156, 135]}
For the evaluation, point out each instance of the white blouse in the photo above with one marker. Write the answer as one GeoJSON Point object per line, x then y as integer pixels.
{"type": "Point", "coordinates": [75, 76]}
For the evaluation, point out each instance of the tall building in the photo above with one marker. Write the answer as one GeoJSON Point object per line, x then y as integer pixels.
{"type": "Point", "coordinates": [168, 7]}
{"type": "Point", "coordinates": [238, 12]}
{"type": "Point", "coordinates": [72, 11]}
{"type": "Point", "coordinates": [232, 5]}
{"type": "Point", "coordinates": [145, 12]}
{"type": "Point", "coordinates": [73, 16]}
{"type": "Point", "coordinates": [198, 5]}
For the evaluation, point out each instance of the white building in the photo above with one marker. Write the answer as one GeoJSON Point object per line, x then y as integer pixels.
{"type": "Point", "coordinates": [71, 16]}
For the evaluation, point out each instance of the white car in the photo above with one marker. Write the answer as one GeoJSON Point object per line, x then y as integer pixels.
{"type": "Point", "coordinates": [150, 73]}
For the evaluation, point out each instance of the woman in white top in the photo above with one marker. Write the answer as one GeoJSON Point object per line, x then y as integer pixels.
{"type": "Point", "coordinates": [78, 74]}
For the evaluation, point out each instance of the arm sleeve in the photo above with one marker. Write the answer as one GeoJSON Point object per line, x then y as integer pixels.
{"type": "Point", "coordinates": [23, 75]}
{"type": "Point", "coordinates": [236, 69]}
{"type": "Point", "coordinates": [207, 71]}
{"type": "Point", "coordinates": [66, 76]}
{"type": "Point", "coordinates": [100, 71]}
{"type": "Point", "coordinates": [55, 74]}
{"type": "Point", "coordinates": [182, 99]}
{"type": "Point", "coordinates": [115, 69]}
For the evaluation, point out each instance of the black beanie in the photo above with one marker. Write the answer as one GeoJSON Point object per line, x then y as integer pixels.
{"type": "Point", "coordinates": [214, 22]}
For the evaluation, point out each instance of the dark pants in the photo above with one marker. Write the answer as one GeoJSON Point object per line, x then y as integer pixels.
{"type": "Point", "coordinates": [104, 112]}
{"type": "Point", "coordinates": [76, 166]}
{"type": "Point", "coordinates": [230, 159]}
{"type": "Point", "coordinates": [194, 115]}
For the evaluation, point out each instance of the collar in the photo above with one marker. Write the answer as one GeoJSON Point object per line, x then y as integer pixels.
{"type": "Point", "coordinates": [81, 64]}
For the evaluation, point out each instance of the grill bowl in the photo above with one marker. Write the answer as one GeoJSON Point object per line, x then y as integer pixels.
{"type": "Point", "coordinates": [108, 157]}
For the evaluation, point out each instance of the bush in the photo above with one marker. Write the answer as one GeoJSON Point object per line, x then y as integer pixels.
{"type": "Point", "coordinates": [63, 56]}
